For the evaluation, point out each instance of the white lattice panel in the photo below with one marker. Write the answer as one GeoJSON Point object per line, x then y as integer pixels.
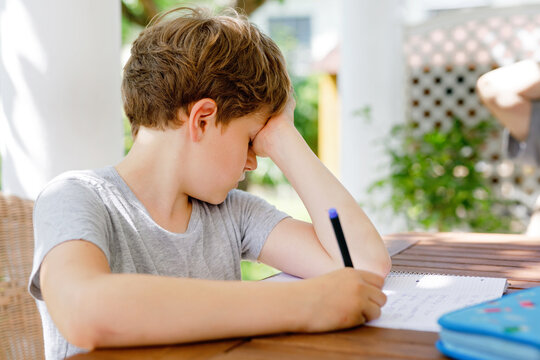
{"type": "Point", "coordinates": [447, 55]}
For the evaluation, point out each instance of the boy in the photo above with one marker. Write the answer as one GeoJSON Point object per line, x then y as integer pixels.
{"type": "Point", "coordinates": [138, 254]}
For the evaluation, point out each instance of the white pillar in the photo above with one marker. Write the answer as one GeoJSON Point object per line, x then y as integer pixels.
{"type": "Point", "coordinates": [60, 103]}
{"type": "Point", "coordinates": [371, 75]}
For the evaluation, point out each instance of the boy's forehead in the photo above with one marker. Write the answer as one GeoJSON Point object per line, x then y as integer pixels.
{"type": "Point", "coordinates": [263, 116]}
{"type": "Point", "coordinates": [259, 117]}
{"type": "Point", "coordinates": [251, 122]}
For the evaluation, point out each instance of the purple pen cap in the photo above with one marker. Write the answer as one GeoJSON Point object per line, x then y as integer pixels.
{"type": "Point", "coordinates": [333, 213]}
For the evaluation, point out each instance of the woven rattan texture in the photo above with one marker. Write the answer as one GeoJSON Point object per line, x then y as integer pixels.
{"type": "Point", "coordinates": [20, 325]}
{"type": "Point", "coordinates": [446, 56]}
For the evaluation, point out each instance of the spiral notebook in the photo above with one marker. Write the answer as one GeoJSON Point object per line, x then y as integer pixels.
{"type": "Point", "coordinates": [415, 301]}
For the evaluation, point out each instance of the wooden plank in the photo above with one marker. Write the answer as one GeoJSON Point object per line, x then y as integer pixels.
{"type": "Point", "coordinates": [269, 351]}
{"type": "Point", "coordinates": [358, 343]}
{"type": "Point", "coordinates": [198, 351]}
{"type": "Point", "coordinates": [477, 253]}
{"type": "Point", "coordinates": [532, 270]}
{"type": "Point", "coordinates": [517, 284]}
{"type": "Point", "coordinates": [478, 245]}
{"type": "Point", "coordinates": [457, 260]}
{"type": "Point", "coordinates": [458, 238]}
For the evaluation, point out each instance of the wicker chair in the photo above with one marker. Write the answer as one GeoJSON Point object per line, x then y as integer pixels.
{"type": "Point", "coordinates": [21, 335]}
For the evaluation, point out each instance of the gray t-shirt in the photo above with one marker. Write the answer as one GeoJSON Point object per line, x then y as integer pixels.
{"type": "Point", "coordinates": [99, 207]}
{"type": "Point", "coordinates": [528, 150]}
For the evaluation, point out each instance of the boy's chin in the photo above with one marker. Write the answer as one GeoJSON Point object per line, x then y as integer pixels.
{"type": "Point", "coordinates": [215, 199]}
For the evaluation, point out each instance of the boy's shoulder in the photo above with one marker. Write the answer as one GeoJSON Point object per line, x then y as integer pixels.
{"type": "Point", "coordinates": [94, 180]}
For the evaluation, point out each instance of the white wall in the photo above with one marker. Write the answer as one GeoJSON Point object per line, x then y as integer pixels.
{"type": "Point", "coordinates": [372, 74]}
{"type": "Point", "coordinates": [325, 20]}
{"type": "Point", "coordinates": [60, 105]}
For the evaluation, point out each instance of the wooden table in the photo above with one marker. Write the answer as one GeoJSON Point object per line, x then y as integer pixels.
{"type": "Point", "coordinates": [515, 257]}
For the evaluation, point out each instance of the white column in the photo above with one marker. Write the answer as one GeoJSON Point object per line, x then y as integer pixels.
{"type": "Point", "coordinates": [371, 75]}
{"type": "Point", "coordinates": [60, 103]}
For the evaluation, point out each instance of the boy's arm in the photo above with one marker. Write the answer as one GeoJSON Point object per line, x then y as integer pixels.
{"type": "Point", "coordinates": [508, 91]}
{"type": "Point", "coordinates": [305, 249]}
{"type": "Point", "coordinates": [94, 308]}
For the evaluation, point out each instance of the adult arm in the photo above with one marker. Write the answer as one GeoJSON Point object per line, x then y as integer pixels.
{"type": "Point", "coordinates": [307, 249]}
{"type": "Point", "coordinates": [93, 307]}
{"type": "Point", "coordinates": [508, 91]}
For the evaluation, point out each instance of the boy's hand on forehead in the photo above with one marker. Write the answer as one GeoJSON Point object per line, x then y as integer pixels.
{"type": "Point", "coordinates": [268, 138]}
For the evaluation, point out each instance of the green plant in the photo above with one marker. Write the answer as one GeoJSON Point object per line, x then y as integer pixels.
{"type": "Point", "coordinates": [128, 138]}
{"type": "Point", "coordinates": [254, 271]}
{"type": "Point", "coordinates": [136, 14]}
{"type": "Point", "coordinates": [436, 182]}
{"type": "Point", "coordinates": [306, 113]}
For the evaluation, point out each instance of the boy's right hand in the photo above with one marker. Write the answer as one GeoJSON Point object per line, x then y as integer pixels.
{"type": "Point", "coordinates": [342, 299]}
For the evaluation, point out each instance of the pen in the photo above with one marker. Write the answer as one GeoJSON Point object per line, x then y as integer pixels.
{"type": "Point", "coordinates": [334, 218]}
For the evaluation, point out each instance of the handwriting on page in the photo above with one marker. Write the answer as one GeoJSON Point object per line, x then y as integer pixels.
{"type": "Point", "coordinates": [416, 301]}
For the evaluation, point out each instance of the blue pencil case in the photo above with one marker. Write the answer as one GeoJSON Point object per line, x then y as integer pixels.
{"type": "Point", "coordinates": [506, 328]}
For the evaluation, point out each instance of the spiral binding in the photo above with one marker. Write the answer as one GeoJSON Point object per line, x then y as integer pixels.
{"type": "Point", "coordinates": [415, 273]}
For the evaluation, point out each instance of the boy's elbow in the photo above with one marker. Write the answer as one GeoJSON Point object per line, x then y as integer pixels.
{"type": "Point", "coordinates": [381, 264]}
{"type": "Point", "coordinates": [81, 334]}
{"type": "Point", "coordinates": [378, 261]}
{"type": "Point", "coordinates": [84, 330]}
{"type": "Point", "coordinates": [385, 265]}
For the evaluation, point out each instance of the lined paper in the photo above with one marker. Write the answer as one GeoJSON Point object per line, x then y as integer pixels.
{"type": "Point", "coordinates": [416, 301]}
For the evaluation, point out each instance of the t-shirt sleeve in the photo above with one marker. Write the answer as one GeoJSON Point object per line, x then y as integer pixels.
{"type": "Point", "coordinates": [529, 150]}
{"type": "Point", "coordinates": [257, 218]}
{"type": "Point", "coordinates": [67, 209]}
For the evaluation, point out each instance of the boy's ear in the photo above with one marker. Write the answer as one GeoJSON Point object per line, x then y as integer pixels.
{"type": "Point", "coordinates": [201, 116]}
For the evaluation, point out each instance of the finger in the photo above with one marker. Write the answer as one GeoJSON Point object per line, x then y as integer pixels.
{"type": "Point", "coordinates": [361, 319]}
{"type": "Point", "coordinates": [377, 296]}
{"type": "Point", "coordinates": [371, 311]}
{"type": "Point", "coordinates": [372, 278]}
{"type": "Point", "coordinates": [373, 293]}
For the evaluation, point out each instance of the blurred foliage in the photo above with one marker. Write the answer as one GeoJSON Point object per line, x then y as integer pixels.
{"type": "Point", "coordinates": [128, 139]}
{"type": "Point", "coordinates": [136, 14]}
{"type": "Point", "coordinates": [436, 180]}
{"type": "Point", "coordinates": [267, 174]}
{"type": "Point", "coordinates": [364, 113]}
{"type": "Point", "coordinates": [254, 271]}
{"type": "Point", "coordinates": [306, 113]}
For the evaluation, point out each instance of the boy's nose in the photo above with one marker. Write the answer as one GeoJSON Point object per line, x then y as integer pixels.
{"type": "Point", "coordinates": [251, 161]}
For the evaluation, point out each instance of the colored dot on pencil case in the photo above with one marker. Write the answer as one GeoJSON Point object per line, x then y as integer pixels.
{"type": "Point", "coordinates": [526, 304]}
{"type": "Point", "coordinates": [492, 310]}
{"type": "Point", "coordinates": [512, 329]}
